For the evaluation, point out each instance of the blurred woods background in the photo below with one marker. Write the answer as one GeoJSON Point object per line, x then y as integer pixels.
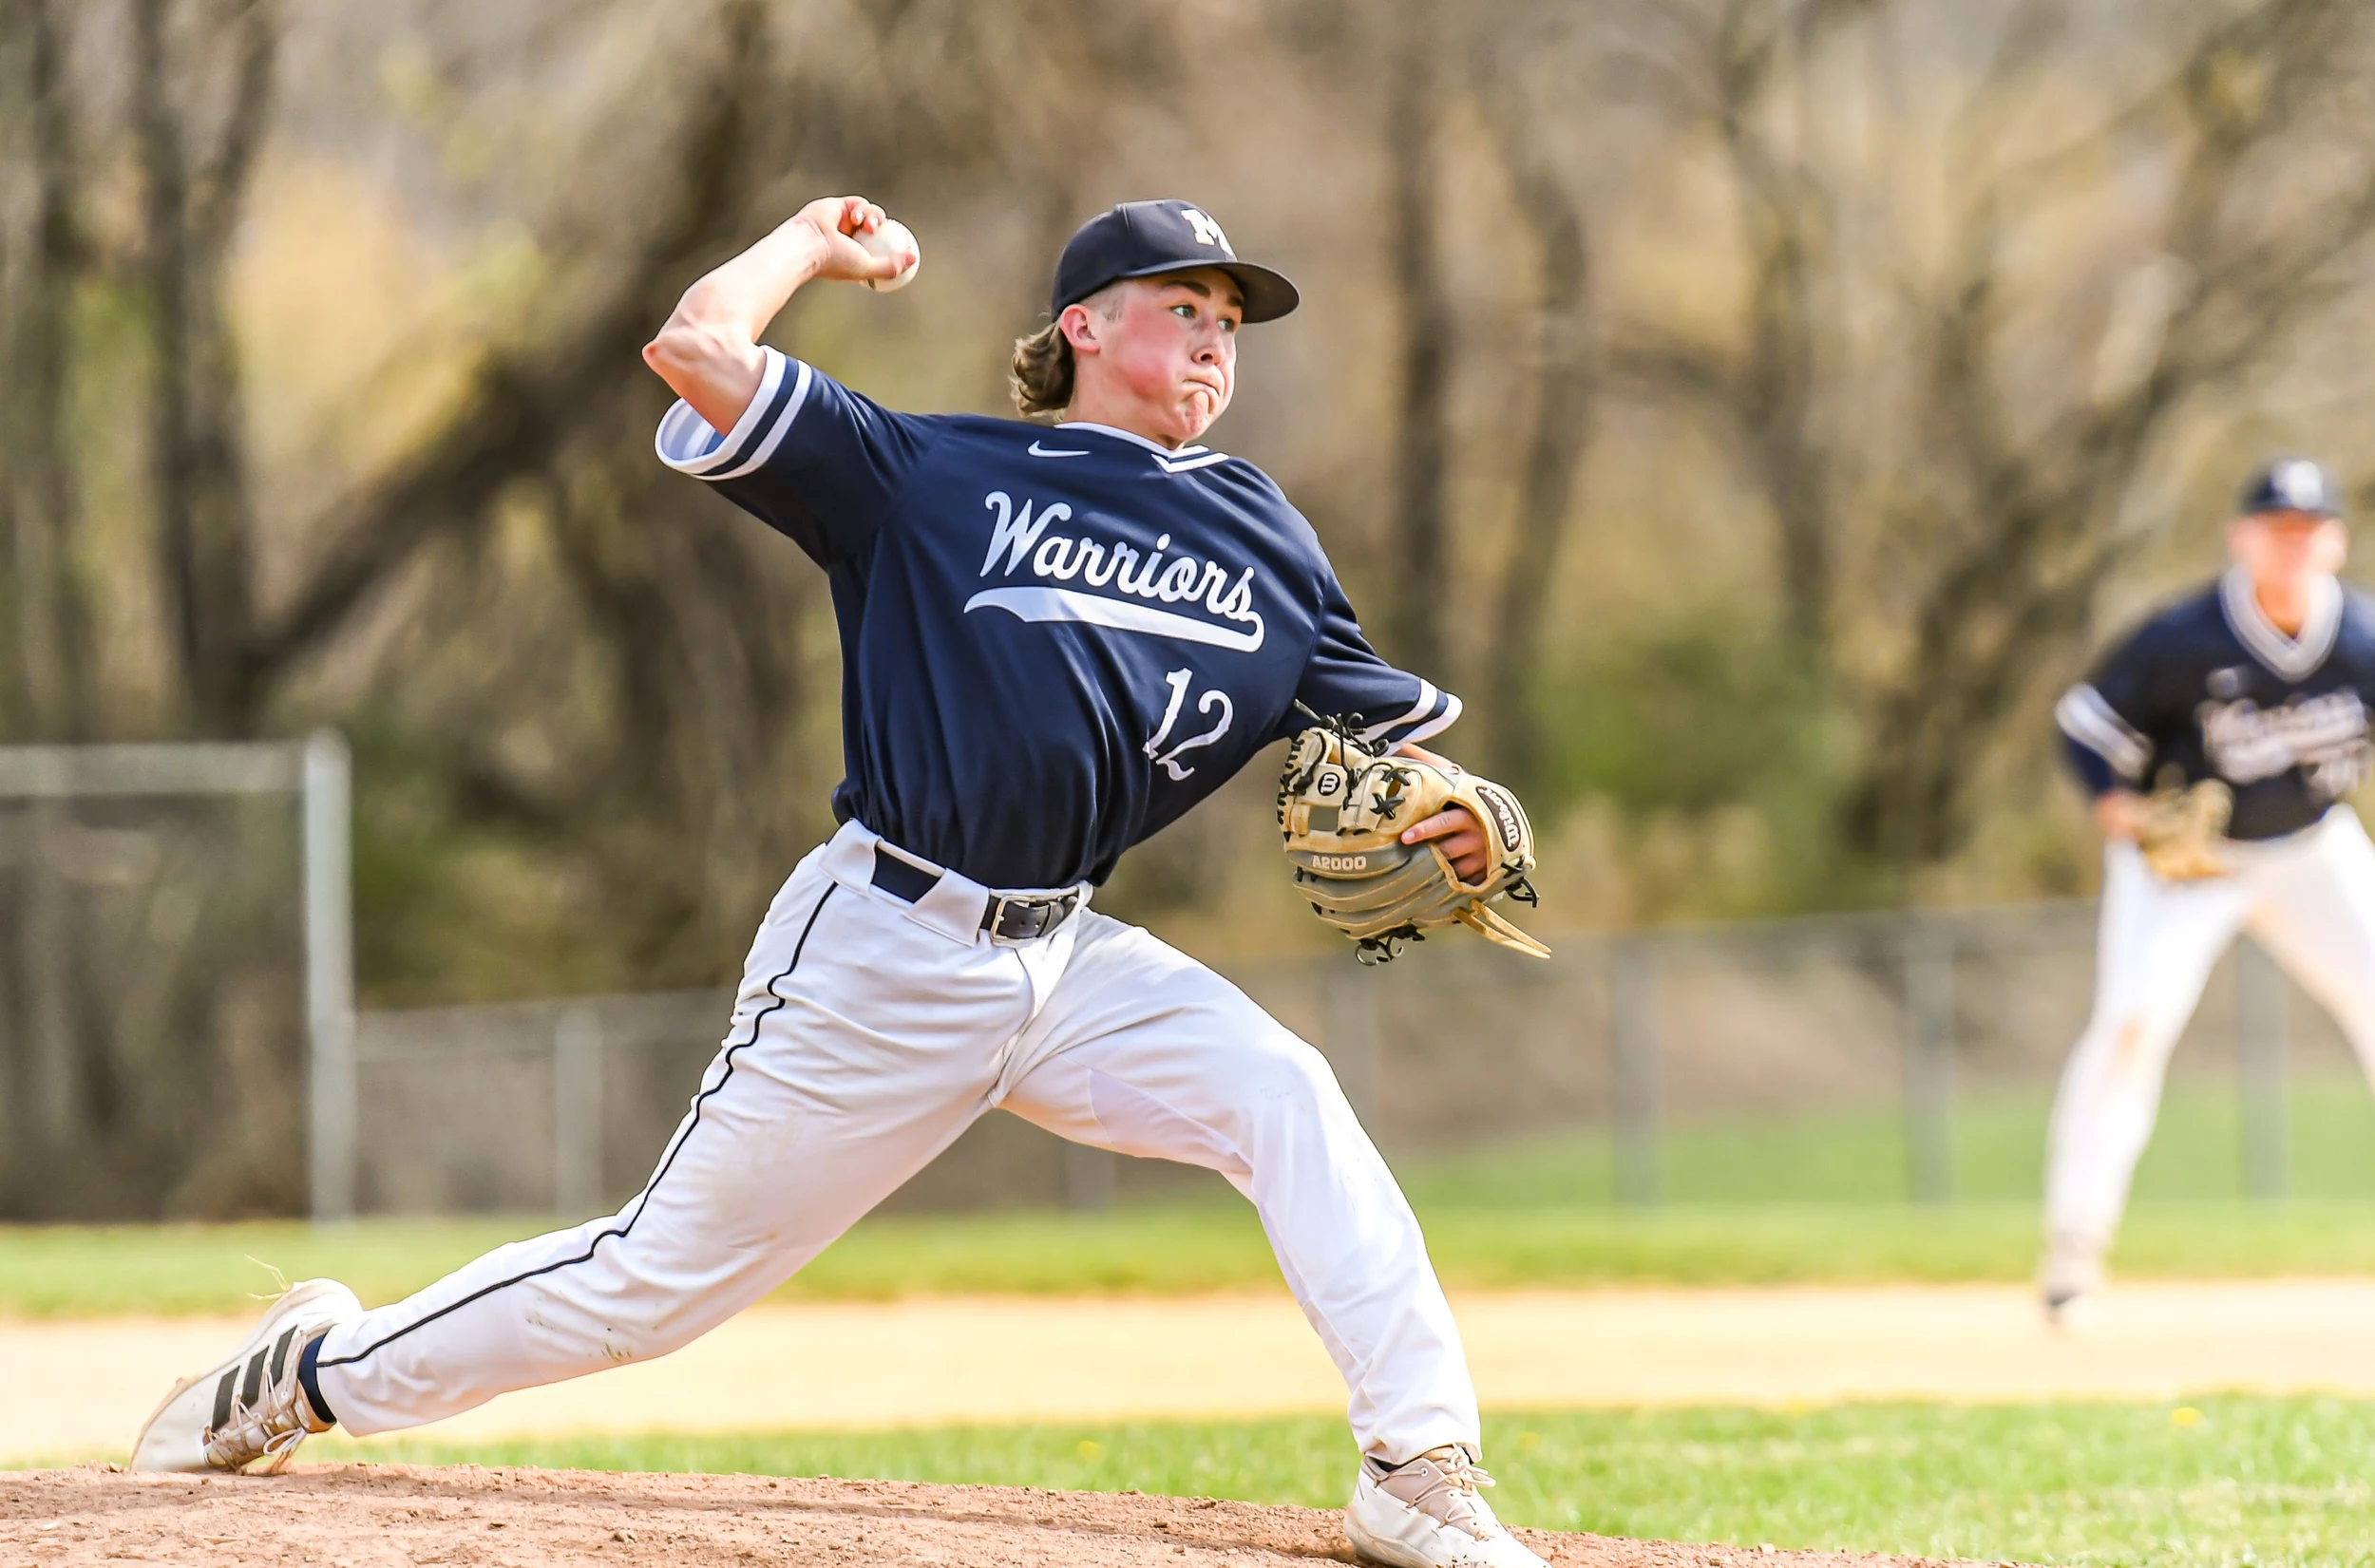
{"type": "Point", "coordinates": [1753, 407]}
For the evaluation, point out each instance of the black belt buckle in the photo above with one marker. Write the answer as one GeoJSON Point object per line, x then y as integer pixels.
{"type": "Point", "coordinates": [1007, 918]}
{"type": "Point", "coordinates": [1026, 920]}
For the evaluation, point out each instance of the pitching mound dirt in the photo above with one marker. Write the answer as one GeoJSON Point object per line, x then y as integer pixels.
{"type": "Point", "coordinates": [344, 1516]}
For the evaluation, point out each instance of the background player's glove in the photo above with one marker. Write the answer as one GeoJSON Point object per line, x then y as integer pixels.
{"type": "Point", "coordinates": [2179, 831]}
{"type": "Point", "coordinates": [1342, 810]}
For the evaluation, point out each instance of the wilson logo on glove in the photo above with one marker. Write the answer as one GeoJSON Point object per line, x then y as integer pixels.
{"type": "Point", "coordinates": [1506, 819]}
{"type": "Point", "coordinates": [1342, 810]}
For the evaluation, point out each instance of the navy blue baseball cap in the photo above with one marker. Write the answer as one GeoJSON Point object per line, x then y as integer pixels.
{"type": "Point", "coordinates": [2290, 484]}
{"type": "Point", "coordinates": [1149, 238]}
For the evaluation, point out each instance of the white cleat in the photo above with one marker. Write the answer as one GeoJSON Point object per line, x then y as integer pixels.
{"type": "Point", "coordinates": [2069, 1281]}
{"type": "Point", "coordinates": [1430, 1513]}
{"type": "Point", "coordinates": [249, 1406]}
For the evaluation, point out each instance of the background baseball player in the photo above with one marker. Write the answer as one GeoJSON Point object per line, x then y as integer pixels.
{"type": "Point", "coordinates": [1056, 640]}
{"type": "Point", "coordinates": [2244, 706]}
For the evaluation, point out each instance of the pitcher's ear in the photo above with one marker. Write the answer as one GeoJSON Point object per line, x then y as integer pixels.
{"type": "Point", "coordinates": [1079, 326]}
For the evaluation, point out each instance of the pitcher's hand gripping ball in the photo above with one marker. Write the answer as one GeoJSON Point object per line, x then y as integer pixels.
{"type": "Point", "coordinates": [892, 238]}
{"type": "Point", "coordinates": [2179, 831]}
{"type": "Point", "coordinates": [1342, 810]}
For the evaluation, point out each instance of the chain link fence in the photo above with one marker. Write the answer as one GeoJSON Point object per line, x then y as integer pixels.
{"type": "Point", "coordinates": [175, 978]}
{"type": "Point", "coordinates": [1596, 1072]}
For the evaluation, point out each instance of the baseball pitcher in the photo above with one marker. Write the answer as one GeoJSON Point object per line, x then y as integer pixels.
{"type": "Point", "coordinates": [1057, 639]}
{"type": "Point", "coordinates": [2217, 740]}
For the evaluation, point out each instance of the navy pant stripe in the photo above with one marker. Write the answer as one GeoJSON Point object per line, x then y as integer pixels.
{"type": "Point", "coordinates": [645, 1197]}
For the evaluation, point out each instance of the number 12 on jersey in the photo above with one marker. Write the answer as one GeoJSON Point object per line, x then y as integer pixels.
{"type": "Point", "coordinates": [1178, 680]}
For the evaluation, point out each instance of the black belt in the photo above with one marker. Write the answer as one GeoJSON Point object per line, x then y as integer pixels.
{"type": "Point", "coordinates": [1007, 916]}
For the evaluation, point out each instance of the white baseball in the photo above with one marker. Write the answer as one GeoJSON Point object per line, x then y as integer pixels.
{"type": "Point", "coordinates": [892, 238]}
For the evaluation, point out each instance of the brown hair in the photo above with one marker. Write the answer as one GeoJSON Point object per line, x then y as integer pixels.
{"type": "Point", "coordinates": [1041, 377]}
{"type": "Point", "coordinates": [1042, 374]}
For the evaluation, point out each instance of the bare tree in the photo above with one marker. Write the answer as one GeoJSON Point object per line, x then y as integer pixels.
{"type": "Point", "coordinates": [1522, 63]}
{"type": "Point", "coordinates": [196, 159]}
{"type": "Point", "coordinates": [1421, 505]}
{"type": "Point", "coordinates": [200, 76]}
{"type": "Point", "coordinates": [1976, 456]}
{"type": "Point", "coordinates": [43, 260]}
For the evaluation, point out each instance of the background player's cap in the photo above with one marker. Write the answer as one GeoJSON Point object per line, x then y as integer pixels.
{"type": "Point", "coordinates": [1145, 238]}
{"type": "Point", "coordinates": [2290, 484]}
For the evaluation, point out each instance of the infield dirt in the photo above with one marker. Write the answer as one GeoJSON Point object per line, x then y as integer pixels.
{"type": "Point", "coordinates": [75, 1390]}
{"type": "Point", "coordinates": [366, 1516]}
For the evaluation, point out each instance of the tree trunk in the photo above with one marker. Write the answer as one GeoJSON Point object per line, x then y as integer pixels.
{"type": "Point", "coordinates": [1416, 615]}
{"type": "Point", "coordinates": [189, 208]}
{"type": "Point", "coordinates": [51, 644]}
{"type": "Point", "coordinates": [1565, 384]}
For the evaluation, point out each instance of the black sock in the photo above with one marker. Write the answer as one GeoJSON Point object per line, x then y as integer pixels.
{"type": "Point", "coordinates": [307, 1381]}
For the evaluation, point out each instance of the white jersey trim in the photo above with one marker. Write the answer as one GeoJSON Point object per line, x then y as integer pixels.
{"type": "Point", "coordinates": [686, 443]}
{"type": "Point", "coordinates": [1171, 459]}
{"type": "Point", "coordinates": [2294, 658]}
{"type": "Point", "coordinates": [1431, 714]}
{"type": "Point", "coordinates": [1066, 604]}
{"type": "Point", "coordinates": [1436, 725]}
{"type": "Point", "coordinates": [1189, 465]}
{"type": "Point", "coordinates": [2086, 718]}
{"type": "Point", "coordinates": [1147, 441]}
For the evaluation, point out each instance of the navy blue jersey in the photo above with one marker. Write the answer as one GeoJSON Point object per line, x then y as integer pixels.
{"type": "Point", "coordinates": [1055, 640]}
{"type": "Point", "coordinates": [2209, 688]}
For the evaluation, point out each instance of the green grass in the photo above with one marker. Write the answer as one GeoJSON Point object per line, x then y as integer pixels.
{"type": "Point", "coordinates": [1858, 1155]}
{"type": "Point", "coordinates": [63, 1272]}
{"type": "Point", "coordinates": [1805, 1199]}
{"type": "Point", "coordinates": [2251, 1481]}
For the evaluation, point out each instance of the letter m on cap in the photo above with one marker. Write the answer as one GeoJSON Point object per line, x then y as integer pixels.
{"type": "Point", "coordinates": [1207, 232]}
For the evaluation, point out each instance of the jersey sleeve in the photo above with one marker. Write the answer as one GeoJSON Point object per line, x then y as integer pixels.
{"type": "Point", "coordinates": [1346, 677]}
{"type": "Point", "coordinates": [2106, 721]}
{"type": "Point", "coordinates": [810, 458]}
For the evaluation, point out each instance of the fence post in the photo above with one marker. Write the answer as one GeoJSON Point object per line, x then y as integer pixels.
{"type": "Point", "coordinates": [1928, 1023]}
{"type": "Point", "coordinates": [2260, 1030]}
{"type": "Point", "coordinates": [47, 935]}
{"type": "Point", "coordinates": [578, 1113]}
{"type": "Point", "coordinates": [327, 809]}
{"type": "Point", "coordinates": [1633, 1046]}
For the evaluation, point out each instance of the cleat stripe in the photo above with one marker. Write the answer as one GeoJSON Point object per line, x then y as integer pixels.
{"type": "Point", "coordinates": [280, 1352]}
{"type": "Point", "coordinates": [254, 1384]}
{"type": "Point", "coordinates": [222, 1401]}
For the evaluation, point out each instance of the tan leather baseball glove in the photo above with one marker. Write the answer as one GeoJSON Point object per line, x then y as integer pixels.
{"type": "Point", "coordinates": [2179, 831]}
{"type": "Point", "coordinates": [1342, 810]}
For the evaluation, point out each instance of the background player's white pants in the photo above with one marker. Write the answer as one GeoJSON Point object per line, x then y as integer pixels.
{"type": "Point", "coordinates": [2309, 897]}
{"type": "Point", "coordinates": [867, 1036]}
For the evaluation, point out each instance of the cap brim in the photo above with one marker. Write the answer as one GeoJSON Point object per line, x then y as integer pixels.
{"type": "Point", "coordinates": [1268, 295]}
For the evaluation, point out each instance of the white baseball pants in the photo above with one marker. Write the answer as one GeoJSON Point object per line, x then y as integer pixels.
{"type": "Point", "coordinates": [867, 1034]}
{"type": "Point", "coordinates": [2310, 898]}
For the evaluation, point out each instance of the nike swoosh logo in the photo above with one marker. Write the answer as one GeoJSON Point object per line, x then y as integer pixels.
{"type": "Point", "coordinates": [1039, 451]}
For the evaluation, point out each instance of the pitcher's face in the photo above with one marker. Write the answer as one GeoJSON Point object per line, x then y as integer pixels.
{"type": "Point", "coordinates": [1169, 352]}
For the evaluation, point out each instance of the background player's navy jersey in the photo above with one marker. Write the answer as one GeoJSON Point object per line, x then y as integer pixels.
{"type": "Point", "coordinates": [2209, 688]}
{"type": "Point", "coordinates": [1055, 640]}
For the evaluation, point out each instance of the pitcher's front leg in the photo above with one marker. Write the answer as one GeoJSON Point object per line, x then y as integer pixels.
{"type": "Point", "coordinates": [1146, 1052]}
